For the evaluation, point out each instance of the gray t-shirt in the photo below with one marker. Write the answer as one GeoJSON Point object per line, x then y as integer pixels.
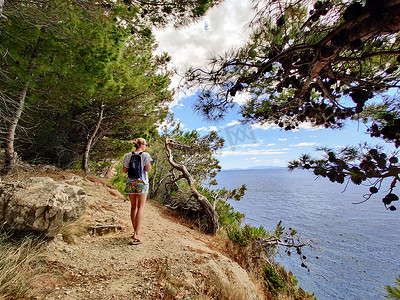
{"type": "Point", "coordinates": [145, 160]}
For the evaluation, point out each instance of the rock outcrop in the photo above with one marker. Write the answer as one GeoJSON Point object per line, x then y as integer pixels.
{"type": "Point", "coordinates": [40, 205]}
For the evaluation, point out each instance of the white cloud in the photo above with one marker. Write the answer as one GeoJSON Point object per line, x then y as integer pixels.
{"type": "Point", "coordinates": [227, 152]}
{"type": "Point", "coordinates": [282, 140]}
{"type": "Point", "coordinates": [249, 145]}
{"type": "Point", "coordinates": [309, 126]}
{"type": "Point", "coordinates": [202, 129]}
{"type": "Point", "coordinates": [213, 128]}
{"type": "Point", "coordinates": [270, 125]}
{"type": "Point", "coordinates": [265, 126]}
{"type": "Point", "coordinates": [304, 144]}
{"type": "Point", "coordinates": [233, 123]}
{"type": "Point", "coordinates": [224, 27]}
{"type": "Point", "coordinates": [207, 129]}
{"type": "Point", "coordinates": [272, 144]}
{"type": "Point", "coordinates": [242, 98]}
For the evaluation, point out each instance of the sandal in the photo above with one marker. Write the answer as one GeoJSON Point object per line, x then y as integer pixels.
{"type": "Point", "coordinates": [134, 241]}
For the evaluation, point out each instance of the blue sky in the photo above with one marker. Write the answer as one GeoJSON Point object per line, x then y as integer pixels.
{"type": "Point", "coordinates": [250, 146]}
{"type": "Point", "coordinates": [225, 28]}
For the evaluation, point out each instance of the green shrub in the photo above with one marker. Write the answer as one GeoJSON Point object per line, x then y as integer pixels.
{"type": "Point", "coordinates": [228, 216]}
{"type": "Point", "coordinates": [272, 280]}
{"type": "Point", "coordinates": [393, 292]}
{"type": "Point", "coordinates": [245, 235]}
{"type": "Point", "coordinates": [119, 179]}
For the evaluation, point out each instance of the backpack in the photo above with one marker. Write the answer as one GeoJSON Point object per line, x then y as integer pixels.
{"type": "Point", "coordinates": [135, 166]}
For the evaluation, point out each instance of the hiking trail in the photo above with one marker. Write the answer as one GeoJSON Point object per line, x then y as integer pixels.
{"type": "Point", "coordinates": [174, 261]}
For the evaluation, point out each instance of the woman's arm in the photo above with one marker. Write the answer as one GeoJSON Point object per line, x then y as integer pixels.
{"type": "Point", "coordinates": [148, 168]}
{"type": "Point", "coordinates": [125, 169]}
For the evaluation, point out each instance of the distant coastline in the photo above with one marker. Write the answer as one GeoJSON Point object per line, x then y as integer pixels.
{"type": "Point", "coordinates": [255, 168]}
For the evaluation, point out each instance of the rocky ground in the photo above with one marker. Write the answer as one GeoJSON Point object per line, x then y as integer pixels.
{"type": "Point", "coordinates": [173, 262]}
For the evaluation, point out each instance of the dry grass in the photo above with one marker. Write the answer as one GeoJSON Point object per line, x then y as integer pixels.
{"type": "Point", "coordinates": [205, 284]}
{"type": "Point", "coordinates": [79, 228]}
{"type": "Point", "coordinates": [21, 265]}
{"type": "Point", "coordinates": [215, 288]}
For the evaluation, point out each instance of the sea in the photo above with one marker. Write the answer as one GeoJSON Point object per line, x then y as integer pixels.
{"type": "Point", "coordinates": [356, 246]}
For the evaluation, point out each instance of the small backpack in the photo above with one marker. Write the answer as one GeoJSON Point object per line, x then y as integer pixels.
{"type": "Point", "coordinates": [135, 166]}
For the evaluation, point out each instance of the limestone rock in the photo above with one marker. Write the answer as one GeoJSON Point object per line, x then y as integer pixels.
{"type": "Point", "coordinates": [40, 204]}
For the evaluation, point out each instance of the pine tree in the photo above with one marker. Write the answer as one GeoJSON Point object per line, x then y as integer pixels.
{"type": "Point", "coordinates": [79, 72]}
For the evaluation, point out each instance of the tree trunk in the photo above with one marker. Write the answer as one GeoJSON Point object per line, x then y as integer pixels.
{"type": "Point", "coordinates": [210, 212]}
{"type": "Point", "coordinates": [153, 179]}
{"type": "Point", "coordinates": [9, 163]}
{"type": "Point", "coordinates": [1, 8]}
{"type": "Point", "coordinates": [89, 143]}
{"type": "Point", "coordinates": [157, 179]}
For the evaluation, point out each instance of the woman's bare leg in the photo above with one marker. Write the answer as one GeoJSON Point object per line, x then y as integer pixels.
{"type": "Point", "coordinates": [141, 201]}
{"type": "Point", "coordinates": [134, 208]}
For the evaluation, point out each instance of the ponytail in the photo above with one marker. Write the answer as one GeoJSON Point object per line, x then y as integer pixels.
{"type": "Point", "coordinates": [139, 141]}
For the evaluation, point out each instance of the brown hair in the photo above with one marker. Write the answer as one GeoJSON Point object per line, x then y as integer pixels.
{"type": "Point", "coordinates": [139, 141]}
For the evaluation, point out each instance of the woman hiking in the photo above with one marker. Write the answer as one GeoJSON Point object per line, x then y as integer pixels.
{"type": "Point", "coordinates": [137, 165]}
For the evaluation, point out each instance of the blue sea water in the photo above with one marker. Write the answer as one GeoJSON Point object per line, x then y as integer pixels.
{"type": "Point", "coordinates": [358, 244]}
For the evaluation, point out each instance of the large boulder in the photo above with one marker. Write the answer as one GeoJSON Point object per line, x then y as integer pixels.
{"type": "Point", "coordinates": [40, 205]}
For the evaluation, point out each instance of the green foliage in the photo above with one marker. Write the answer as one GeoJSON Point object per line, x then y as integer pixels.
{"type": "Point", "coordinates": [112, 147]}
{"type": "Point", "coordinates": [177, 12]}
{"type": "Point", "coordinates": [228, 216]}
{"type": "Point", "coordinates": [243, 236]}
{"type": "Point", "coordinates": [278, 281]}
{"type": "Point", "coordinates": [119, 179]}
{"type": "Point", "coordinates": [279, 230]}
{"type": "Point", "coordinates": [367, 165]}
{"type": "Point", "coordinates": [393, 292]}
{"type": "Point", "coordinates": [272, 280]}
{"type": "Point", "coordinates": [77, 61]}
{"type": "Point", "coordinates": [77, 57]}
{"type": "Point", "coordinates": [193, 151]}
{"type": "Point", "coordinates": [285, 64]}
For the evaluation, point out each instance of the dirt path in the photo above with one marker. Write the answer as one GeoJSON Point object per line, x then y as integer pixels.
{"type": "Point", "coordinates": [173, 262]}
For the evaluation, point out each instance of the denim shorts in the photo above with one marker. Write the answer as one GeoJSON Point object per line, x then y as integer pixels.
{"type": "Point", "coordinates": [136, 187]}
